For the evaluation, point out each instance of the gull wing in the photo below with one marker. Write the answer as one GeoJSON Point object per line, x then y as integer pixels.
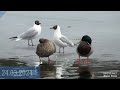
{"type": "Point", "coordinates": [66, 40]}
{"type": "Point", "coordinates": [28, 34]}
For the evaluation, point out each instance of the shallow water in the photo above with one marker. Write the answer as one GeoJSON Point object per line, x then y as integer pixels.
{"type": "Point", "coordinates": [102, 27]}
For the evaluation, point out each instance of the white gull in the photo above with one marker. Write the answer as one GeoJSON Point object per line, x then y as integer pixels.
{"type": "Point", "coordinates": [30, 34]}
{"type": "Point", "coordinates": [61, 40]}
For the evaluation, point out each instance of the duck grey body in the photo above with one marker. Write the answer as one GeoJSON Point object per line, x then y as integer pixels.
{"type": "Point", "coordinates": [46, 48]}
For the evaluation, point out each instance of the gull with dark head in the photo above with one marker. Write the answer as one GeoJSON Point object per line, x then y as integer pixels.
{"type": "Point", "coordinates": [45, 49]}
{"type": "Point", "coordinates": [84, 48]}
{"type": "Point", "coordinates": [61, 40]}
{"type": "Point", "coordinates": [30, 34]}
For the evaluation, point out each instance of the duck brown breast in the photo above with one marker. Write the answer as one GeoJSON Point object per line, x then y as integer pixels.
{"type": "Point", "coordinates": [45, 49]}
{"type": "Point", "coordinates": [83, 48]}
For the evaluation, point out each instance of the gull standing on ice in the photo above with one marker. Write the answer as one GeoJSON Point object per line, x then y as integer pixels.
{"type": "Point", "coordinates": [61, 40]}
{"type": "Point", "coordinates": [30, 34]}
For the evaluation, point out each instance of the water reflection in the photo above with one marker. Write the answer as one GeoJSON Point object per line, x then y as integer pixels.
{"type": "Point", "coordinates": [47, 70]}
{"type": "Point", "coordinates": [53, 70]}
{"type": "Point", "coordinates": [66, 69]}
{"type": "Point", "coordinates": [85, 72]}
{"type": "Point", "coordinates": [59, 72]}
{"type": "Point", "coordinates": [11, 62]}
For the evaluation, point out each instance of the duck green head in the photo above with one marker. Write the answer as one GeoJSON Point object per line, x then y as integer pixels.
{"type": "Point", "coordinates": [87, 39]}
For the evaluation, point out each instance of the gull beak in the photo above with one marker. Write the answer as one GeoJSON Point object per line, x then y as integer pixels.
{"type": "Point", "coordinates": [51, 28]}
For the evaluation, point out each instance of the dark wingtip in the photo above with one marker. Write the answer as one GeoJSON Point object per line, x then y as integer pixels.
{"type": "Point", "coordinates": [13, 37]}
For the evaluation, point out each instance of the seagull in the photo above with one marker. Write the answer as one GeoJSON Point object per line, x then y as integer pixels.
{"type": "Point", "coordinates": [45, 48]}
{"type": "Point", "coordinates": [59, 39]}
{"type": "Point", "coordinates": [84, 48]}
{"type": "Point", "coordinates": [30, 34]}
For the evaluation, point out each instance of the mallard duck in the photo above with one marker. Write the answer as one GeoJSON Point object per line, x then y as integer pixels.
{"type": "Point", "coordinates": [84, 48]}
{"type": "Point", "coordinates": [59, 39]}
{"type": "Point", "coordinates": [45, 49]}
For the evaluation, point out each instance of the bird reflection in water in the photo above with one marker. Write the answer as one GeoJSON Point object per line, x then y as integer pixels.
{"type": "Point", "coordinates": [47, 70]}
{"type": "Point", "coordinates": [85, 72]}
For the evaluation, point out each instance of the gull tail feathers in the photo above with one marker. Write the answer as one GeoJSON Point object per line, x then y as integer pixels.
{"type": "Point", "coordinates": [71, 44]}
{"type": "Point", "coordinates": [15, 38]}
{"type": "Point", "coordinates": [18, 39]}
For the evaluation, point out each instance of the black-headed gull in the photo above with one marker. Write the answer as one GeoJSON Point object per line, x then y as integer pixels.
{"type": "Point", "coordinates": [84, 48]}
{"type": "Point", "coordinates": [45, 49]}
{"type": "Point", "coordinates": [30, 34]}
{"type": "Point", "coordinates": [61, 40]}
